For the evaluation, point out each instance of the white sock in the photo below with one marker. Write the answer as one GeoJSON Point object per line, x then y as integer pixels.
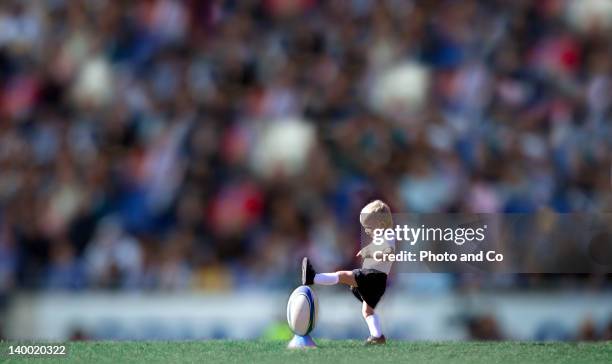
{"type": "Point", "coordinates": [327, 279]}
{"type": "Point", "coordinates": [374, 325]}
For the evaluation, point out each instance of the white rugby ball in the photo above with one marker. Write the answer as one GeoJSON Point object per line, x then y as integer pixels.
{"type": "Point", "coordinates": [302, 310]}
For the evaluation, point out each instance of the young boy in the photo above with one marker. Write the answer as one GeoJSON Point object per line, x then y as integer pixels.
{"type": "Point", "coordinates": [368, 284]}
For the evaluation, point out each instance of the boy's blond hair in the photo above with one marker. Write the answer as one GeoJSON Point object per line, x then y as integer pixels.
{"type": "Point", "coordinates": [376, 215]}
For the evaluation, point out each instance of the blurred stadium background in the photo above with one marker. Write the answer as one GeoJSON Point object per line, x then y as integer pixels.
{"type": "Point", "coordinates": [164, 164]}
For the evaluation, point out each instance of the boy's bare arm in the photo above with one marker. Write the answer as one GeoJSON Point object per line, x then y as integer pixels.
{"type": "Point", "coordinates": [368, 250]}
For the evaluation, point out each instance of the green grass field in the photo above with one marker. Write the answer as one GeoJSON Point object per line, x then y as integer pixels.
{"type": "Point", "coordinates": [329, 351]}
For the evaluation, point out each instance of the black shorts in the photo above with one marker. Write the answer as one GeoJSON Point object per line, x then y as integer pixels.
{"type": "Point", "coordinates": [371, 285]}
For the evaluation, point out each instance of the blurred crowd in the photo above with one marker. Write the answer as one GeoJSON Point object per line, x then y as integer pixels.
{"type": "Point", "coordinates": [207, 145]}
{"type": "Point", "coordinates": [486, 328]}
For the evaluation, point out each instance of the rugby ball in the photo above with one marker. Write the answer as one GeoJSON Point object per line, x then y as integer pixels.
{"type": "Point", "coordinates": [302, 310]}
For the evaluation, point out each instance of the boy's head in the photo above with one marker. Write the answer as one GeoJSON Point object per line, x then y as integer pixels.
{"type": "Point", "coordinates": [376, 215]}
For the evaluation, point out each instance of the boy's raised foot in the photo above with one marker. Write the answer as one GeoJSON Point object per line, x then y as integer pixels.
{"type": "Point", "coordinates": [308, 273]}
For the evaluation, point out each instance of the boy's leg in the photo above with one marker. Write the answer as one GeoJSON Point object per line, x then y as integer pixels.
{"type": "Point", "coordinates": [373, 322]}
{"type": "Point", "coordinates": [310, 276]}
{"type": "Point", "coordinates": [347, 277]}
{"type": "Point", "coordinates": [329, 279]}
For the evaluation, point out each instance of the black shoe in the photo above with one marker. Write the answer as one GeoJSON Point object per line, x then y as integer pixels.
{"type": "Point", "coordinates": [308, 273]}
{"type": "Point", "coordinates": [371, 340]}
